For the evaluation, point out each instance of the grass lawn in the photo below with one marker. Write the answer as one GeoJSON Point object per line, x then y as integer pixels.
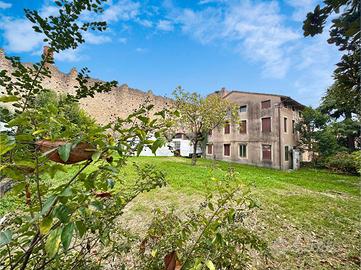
{"type": "Point", "coordinates": [310, 218]}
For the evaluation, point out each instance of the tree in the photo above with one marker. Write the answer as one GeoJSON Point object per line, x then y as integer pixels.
{"type": "Point", "coordinates": [200, 114]}
{"type": "Point", "coordinates": [343, 99]}
{"type": "Point", "coordinates": [315, 136]}
{"type": "Point", "coordinates": [344, 107]}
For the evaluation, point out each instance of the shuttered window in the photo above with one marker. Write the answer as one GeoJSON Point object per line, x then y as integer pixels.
{"type": "Point", "coordinates": [286, 153]}
{"type": "Point", "coordinates": [243, 127]}
{"type": "Point", "coordinates": [227, 128]}
{"type": "Point", "coordinates": [266, 124]}
{"type": "Point", "coordinates": [227, 149]}
{"type": "Point", "coordinates": [285, 124]}
{"type": "Point", "coordinates": [266, 104]}
{"type": "Point", "coordinates": [266, 152]}
{"type": "Point", "coordinates": [243, 150]}
{"type": "Point", "coordinates": [210, 149]}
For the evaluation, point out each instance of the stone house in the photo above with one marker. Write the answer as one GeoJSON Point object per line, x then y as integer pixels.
{"type": "Point", "coordinates": [264, 134]}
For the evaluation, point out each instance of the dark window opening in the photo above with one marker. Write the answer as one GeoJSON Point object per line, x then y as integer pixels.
{"type": "Point", "coordinates": [210, 149]}
{"type": "Point", "coordinates": [286, 153]}
{"type": "Point", "coordinates": [285, 124]}
{"type": "Point", "coordinates": [243, 108]}
{"type": "Point", "coordinates": [227, 149]}
{"type": "Point", "coordinates": [210, 133]}
{"type": "Point", "coordinates": [293, 126]}
{"type": "Point", "coordinates": [266, 152]}
{"type": "Point", "coordinates": [243, 150]}
{"type": "Point", "coordinates": [227, 128]}
{"type": "Point", "coordinates": [266, 104]}
{"type": "Point", "coordinates": [266, 124]}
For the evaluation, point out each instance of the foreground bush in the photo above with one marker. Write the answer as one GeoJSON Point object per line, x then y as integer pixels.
{"type": "Point", "coordinates": [345, 162]}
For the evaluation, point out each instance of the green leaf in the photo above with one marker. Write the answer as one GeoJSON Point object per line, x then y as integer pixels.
{"type": "Point", "coordinates": [48, 204]}
{"type": "Point", "coordinates": [6, 99]}
{"type": "Point", "coordinates": [210, 265]}
{"type": "Point", "coordinates": [80, 226]}
{"type": "Point", "coordinates": [62, 213]}
{"type": "Point", "coordinates": [96, 155]}
{"type": "Point", "coordinates": [66, 192]}
{"type": "Point", "coordinates": [53, 242]}
{"type": "Point", "coordinates": [5, 237]}
{"type": "Point", "coordinates": [45, 224]}
{"type": "Point", "coordinates": [23, 137]}
{"type": "Point", "coordinates": [64, 151]}
{"type": "Point", "coordinates": [39, 131]}
{"type": "Point", "coordinates": [67, 235]}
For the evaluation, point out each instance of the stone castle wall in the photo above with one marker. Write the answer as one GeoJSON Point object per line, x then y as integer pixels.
{"type": "Point", "coordinates": [104, 107]}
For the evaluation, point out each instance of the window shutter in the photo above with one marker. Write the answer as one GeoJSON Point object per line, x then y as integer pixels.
{"type": "Point", "coordinates": [227, 149]}
{"type": "Point", "coordinates": [210, 149]}
{"type": "Point", "coordinates": [266, 104]}
{"type": "Point", "coordinates": [266, 124]}
{"type": "Point", "coordinates": [266, 152]}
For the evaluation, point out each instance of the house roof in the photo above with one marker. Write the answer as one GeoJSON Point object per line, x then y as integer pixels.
{"type": "Point", "coordinates": [284, 99]}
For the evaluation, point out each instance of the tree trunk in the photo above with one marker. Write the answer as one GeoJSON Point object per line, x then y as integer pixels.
{"type": "Point", "coordinates": [194, 155]}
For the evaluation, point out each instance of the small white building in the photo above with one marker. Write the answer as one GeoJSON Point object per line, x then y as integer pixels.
{"type": "Point", "coordinates": [183, 146]}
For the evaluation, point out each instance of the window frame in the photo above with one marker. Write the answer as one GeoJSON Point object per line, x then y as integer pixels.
{"type": "Point", "coordinates": [243, 106]}
{"type": "Point", "coordinates": [245, 152]}
{"type": "Point", "coordinates": [246, 128]}
{"type": "Point", "coordinates": [224, 149]}
{"type": "Point", "coordinates": [285, 125]}
{"type": "Point", "coordinates": [227, 123]}
{"type": "Point", "coordinates": [286, 156]}
{"type": "Point", "coordinates": [210, 146]}
{"type": "Point", "coordinates": [267, 117]}
{"type": "Point", "coordinates": [263, 102]}
{"type": "Point", "coordinates": [262, 157]}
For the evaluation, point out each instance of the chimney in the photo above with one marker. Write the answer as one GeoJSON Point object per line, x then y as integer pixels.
{"type": "Point", "coordinates": [73, 72]}
{"type": "Point", "coordinates": [222, 92]}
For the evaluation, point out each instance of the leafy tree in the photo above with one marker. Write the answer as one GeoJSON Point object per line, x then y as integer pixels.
{"type": "Point", "coordinates": [343, 99]}
{"type": "Point", "coordinates": [199, 115]}
{"type": "Point", "coordinates": [344, 108]}
{"type": "Point", "coordinates": [315, 136]}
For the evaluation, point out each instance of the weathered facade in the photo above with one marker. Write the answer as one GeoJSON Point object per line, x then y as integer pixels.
{"type": "Point", "coordinates": [264, 135]}
{"type": "Point", "coordinates": [104, 107]}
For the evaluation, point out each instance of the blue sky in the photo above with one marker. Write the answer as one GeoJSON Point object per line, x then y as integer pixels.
{"type": "Point", "coordinates": [202, 45]}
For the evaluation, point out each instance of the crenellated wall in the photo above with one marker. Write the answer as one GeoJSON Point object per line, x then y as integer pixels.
{"type": "Point", "coordinates": [104, 107]}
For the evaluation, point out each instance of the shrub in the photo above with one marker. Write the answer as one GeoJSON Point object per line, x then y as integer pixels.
{"type": "Point", "coordinates": [345, 162]}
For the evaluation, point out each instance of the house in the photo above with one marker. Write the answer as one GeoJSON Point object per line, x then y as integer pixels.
{"type": "Point", "coordinates": [183, 146]}
{"type": "Point", "coordinates": [264, 135]}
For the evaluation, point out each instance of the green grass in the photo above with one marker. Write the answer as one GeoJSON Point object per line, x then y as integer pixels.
{"type": "Point", "coordinates": [310, 218]}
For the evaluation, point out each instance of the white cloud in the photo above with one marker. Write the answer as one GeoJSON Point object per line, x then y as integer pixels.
{"type": "Point", "coordinates": [301, 8]}
{"type": "Point", "coordinates": [123, 40]}
{"type": "Point", "coordinates": [145, 23]}
{"type": "Point", "coordinates": [256, 29]}
{"type": "Point", "coordinates": [165, 25]}
{"type": "Point", "coordinates": [19, 35]}
{"type": "Point", "coordinates": [122, 10]}
{"type": "Point", "coordinates": [5, 5]}
{"type": "Point", "coordinates": [96, 39]}
{"type": "Point", "coordinates": [141, 50]}
{"type": "Point", "coordinates": [69, 55]}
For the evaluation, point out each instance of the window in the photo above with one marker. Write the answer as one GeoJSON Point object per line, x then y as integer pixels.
{"type": "Point", "coordinates": [210, 149]}
{"type": "Point", "coordinates": [293, 108]}
{"type": "Point", "coordinates": [210, 133]}
{"type": "Point", "coordinates": [286, 153]}
{"type": "Point", "coordinates": [266, 124]}
{"type": "Point", "coordinates": [227, 150]}
{"type": "Point", "coordinates": [177, 145]}
{"type": "Point", "coordinates": [266, 104]}
{"type": "Point", "coordinates": [178, 136]}
{"type": "Point", "coordinates": [243, 150]}
{"type": "Point", "coordinates": [227, 128]}
{"type": "Point", "coordinates": [293, 126]}
{"type": "Point", "coordinates": [266, 152]}
{"type": "Point", "coordinates": [300, 114]}
{"type": "Point", "coordinates": [285, 124]}
{"type": "Point", "coordinates": [243, 127]}
{"type": "Point", "coordinates": [243, 108]}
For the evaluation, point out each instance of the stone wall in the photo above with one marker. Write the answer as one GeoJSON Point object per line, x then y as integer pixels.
{"type": "Point", "coordinates": [104, 107]}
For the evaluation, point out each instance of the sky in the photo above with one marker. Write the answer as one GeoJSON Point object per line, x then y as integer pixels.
{"type": "Point", "coordinates": [201, 45]}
